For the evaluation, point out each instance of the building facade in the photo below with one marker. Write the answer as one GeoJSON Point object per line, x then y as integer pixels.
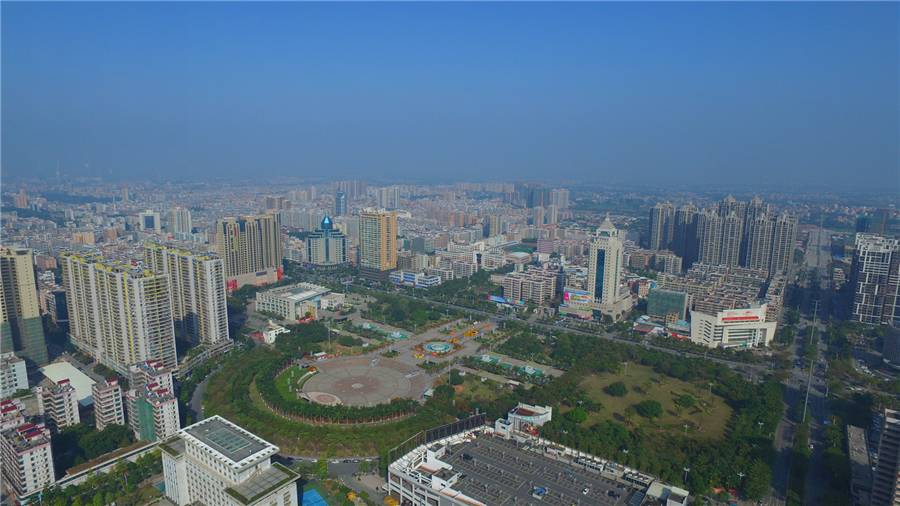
{"type": "Point", "coordinates": [326, 246]}
{"type": "Point", "coordinates": [251, 249]}
{"type": "Point", "coordinates": [109, 408]}
{"type": "Point", "coordinates": [733, 328]}
{"type": "Point", "coordinates": [21, 329]}
{"type": "Point", "coordinates": [197, 285]}
{"type": "Point", "coordinates": [118, 314]}
{"type": "Point", "coordinates": [27, 460]}
{"type": "Point", "coordinates": [885, 483]}
{"type": "Point", "coordinates": [13, 375]}
{"type": "Point", "coordinates": [58, 402]}
{"type": "Point", "coordinates": [875, 280]}
{"type": "Point", "coordinates": [377, 242]}
{"type": "Point", "coordinates": [605, 263]}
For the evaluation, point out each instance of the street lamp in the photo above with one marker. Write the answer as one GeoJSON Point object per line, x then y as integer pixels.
{"type": "Point", "coordinates": [686, 471]}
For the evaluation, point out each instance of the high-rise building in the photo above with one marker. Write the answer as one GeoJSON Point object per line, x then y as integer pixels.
{"type": "Point", "coordinates": [760, 233]}
{"type": "Point", "coordinates": [118, 314]}
{"type": "Point", "coordinates": [149, 221]}
{"type": "Point", "coordinates": [197, 286]}
{"type": "Point", "coordinates": [340, 204]}
{"type": "Point", "coordinates": [560, 197]}
{"type": "Point", "coordinates": [885, 483]}
{"type": "Point", "coordinates": [13, 375]}
{"type": "Point", "coordinates": [180, 221]}
{"type": "Point", "coordinates": [21, 199]}
{"type": "Point", "coordinates": [783, 240]}
{"type": "Point", "coordinates": [684, 230]}
{"type": "Point", "coordinates": [251, 248]}
{"type": "Point", "coordinates": [662, 223]}
{"type": "Point", "coordinates": [59, 403]}
{"type": "Point", "coordinates": [21, 329]}
{"type": "Point", "coordinates": [26, 460]}
{"type": "Point", "coordinates": [389, 197]}
{"type": "Point", "coordinates": [533, 285]}
{"type": "Point", "coordinates": [732, 236]}
{"type": "Point", "coordinates": [220, 464]}
{"type": "Point", "coordinates": [876, 280]}
{"type": "Point", "coordinates": [326, 246]}
{"type": "Point", "coordinates": [709, 237]}
{"type": "Point", "coordinates": [606, 261]}
{"type": "Point", "coordinates": [109, 408]}
{"type": "Point", "coordinates": [537, 216]}
{"type": "Point", "coordinates": [377, 242]}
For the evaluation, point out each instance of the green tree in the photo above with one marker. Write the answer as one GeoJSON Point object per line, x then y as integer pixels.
{"type": "Point", "coordinates": [686, 401]}
{"type": "Point", "coordinates": [757, 480]}
{"type": "Point", "coordinates": [617, 389]}
{"type": "Point", "coordinates": [577, 415]}
{"type": "Point", "coordinates": [649, 409]}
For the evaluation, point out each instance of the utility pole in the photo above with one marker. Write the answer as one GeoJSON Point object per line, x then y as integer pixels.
{"type": "Point", "coordinates": [812, 334]}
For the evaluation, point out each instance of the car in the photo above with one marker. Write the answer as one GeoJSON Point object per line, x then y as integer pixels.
{"type": "Point", "coordinates": [585, 491]}
{"type": "Point", "coordinates": [466, 456]}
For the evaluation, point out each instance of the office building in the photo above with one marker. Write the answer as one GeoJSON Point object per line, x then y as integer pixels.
{"type": "Point", "coordinates": [251, 249]}
{"type": "Point", "coordinates": [662, 223]}
{"type": "Point", "coordinates": [667, 305]}
{"type": "Point", "coordinates": [340, 204]}
{"type": "Point", "coordinates": [860, 466]}
{"type": "Point", "coordinates": [294, 302]}
{"type": "Point", "coordinates": [733, 328]}
{"type": "Point", "coordinates": [197, 288]}
{"type": "Point", "coordinates": [605, 263]}
{"type": "Point", "coordinates": [875, 280]}
{"type": "Point", "coordinates": [326, 246]}
{"type": "Point", "coordinates": [180, 221]}
{"type": "Point", "coordinates": [109, 408]}
{"type": "Point", "coordinates": [118, 314]}
{"type": "Point", "coordinates": [414, 279]}
{"type": "Point", "coordinates": [149, 221]}
{"type": "Point", "coordinates": [377, 243]}
{"type": "Point", "coordinates": [27, 460]}
{"type": "Point", "coordinates": [217, 463]}
{"type": "Point", "coordinates": [13, 375]}
{"type": "Point", "coordinates": [58, 402]}
{"type": "Point", "coordinates": [21, 329]}
{"type": "Point", "coordinates": [885, 484]}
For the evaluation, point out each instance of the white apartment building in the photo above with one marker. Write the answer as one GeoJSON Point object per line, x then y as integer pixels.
{"type": "Point", "coordinates": [220, 464]}
{"type": "Point", "coordinates": [109, 408]}
{"type": "Point", "coordinates": [13, 375]}
{"type": "Point", "coordinates": [12, 414]}
{"type": "Point", "coordinates": [534, 285]}
{"type": "Point", "coordinates": [58, 402]}
{"type": "Point", "coordinates": [197, 291]}
{"type": "Point", "coordinates": [733, 328]}
{"type": "Point", "coordinates": [118, 314]}
{"type": "Point", "coordinates": [26, 459]}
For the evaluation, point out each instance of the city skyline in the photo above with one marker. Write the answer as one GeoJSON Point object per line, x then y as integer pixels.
{"type": "Point", "coordinates": [602, 93]}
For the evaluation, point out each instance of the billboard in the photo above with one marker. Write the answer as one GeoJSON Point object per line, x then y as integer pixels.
{"type": "Point", "coordinates": [572, 296]}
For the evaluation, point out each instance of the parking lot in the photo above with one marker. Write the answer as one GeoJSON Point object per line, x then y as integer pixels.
{"type": "Point", "coordinates": [498, 472]}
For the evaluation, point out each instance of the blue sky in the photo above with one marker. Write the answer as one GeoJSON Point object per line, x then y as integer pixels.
{"type": "Point", "coordinates": [664, 93]}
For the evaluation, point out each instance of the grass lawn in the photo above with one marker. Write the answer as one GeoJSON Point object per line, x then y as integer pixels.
{"type": "Point", "coordinates": [474, 390]}
{"type": "Point", "coordinates": [283, 379]}
{"type": "Point", "coordinates": [707, 419]}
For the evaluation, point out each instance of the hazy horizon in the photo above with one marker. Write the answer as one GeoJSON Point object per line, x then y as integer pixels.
{"type": "Point", "coordinates": [662, 94]}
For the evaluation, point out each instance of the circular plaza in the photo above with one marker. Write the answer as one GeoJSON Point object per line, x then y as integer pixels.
{"type": "Point", "coordinates": [364, 381]}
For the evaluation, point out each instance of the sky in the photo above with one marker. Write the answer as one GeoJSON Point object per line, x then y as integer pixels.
{"type": "Point", "coordinates": [666, 94]}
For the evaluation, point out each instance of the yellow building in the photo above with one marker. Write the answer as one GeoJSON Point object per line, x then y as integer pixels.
{"type": "Point", "coordinates": [377, 242]}
{"type": "Point", "coordinates": [21, 330]}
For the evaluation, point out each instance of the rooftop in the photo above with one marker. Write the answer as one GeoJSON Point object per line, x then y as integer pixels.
{"type": "Point", "coordinates": [59, 371]}
{"type": "Point", "coordinates": [227, 439]}
{"type": "Point", "coordinates": [263, 483]}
